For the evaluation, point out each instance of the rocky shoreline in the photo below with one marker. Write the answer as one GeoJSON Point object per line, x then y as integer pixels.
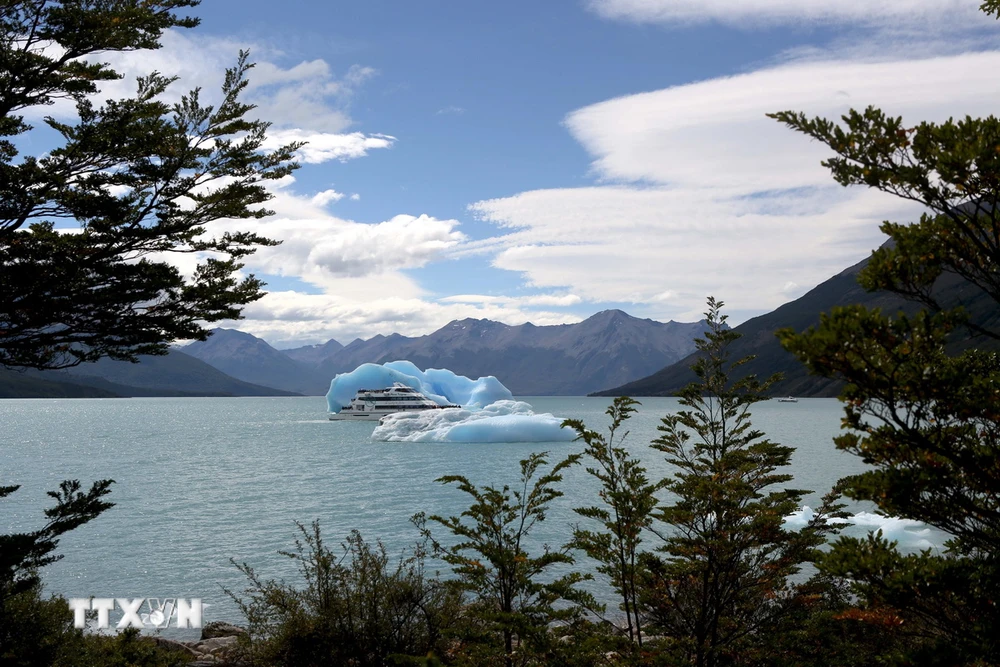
{"type": "Point", "coordinates": [216, 646]}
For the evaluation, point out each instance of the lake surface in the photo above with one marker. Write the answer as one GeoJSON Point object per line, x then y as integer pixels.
{"type": "Point", "coordinates": [203, 480]}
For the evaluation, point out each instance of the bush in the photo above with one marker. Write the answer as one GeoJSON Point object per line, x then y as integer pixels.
{"type": "Point", "coordinates": [357, 607]}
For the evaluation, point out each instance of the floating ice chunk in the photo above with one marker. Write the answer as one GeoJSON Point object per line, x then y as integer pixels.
{"type": "Point", "coordinates": [502, 421]}
{"type": "Point", "coordinates": [438, 384]}
{"type": "Point", "coordinates": [911, 535]}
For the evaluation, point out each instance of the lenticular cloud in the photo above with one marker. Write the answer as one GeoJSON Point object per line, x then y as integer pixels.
{"type": "Point", "coordinates": [487, 412]}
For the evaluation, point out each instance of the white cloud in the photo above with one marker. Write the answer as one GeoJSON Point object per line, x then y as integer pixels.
{"type": "Point", "coordinates": [705, 195]}
{"type": "Point", "coordinates": [505, 300]}
{"type": "Point", "coordinates": [326, 196]}
{"type": "Point", "coordinates": [306, 101]}
{"type": "Point", "coordinates": [322, 147]}
{"type": "Point", "coordinates": [324, 250]}
{"type": "Point", "coordinates": [714, 133]}
{"type": "Point", "coordinates": [742, 12]}
{"type": "Point", "coordinates": [292, 318]}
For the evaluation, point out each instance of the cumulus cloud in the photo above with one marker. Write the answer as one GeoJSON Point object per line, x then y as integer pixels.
{"type": "Point", "coordinates": [306, 101]}
{"type": "Point", "coordinates": [323, 250]}
{"type": "Point", "coordinates": [326, 196]}
{"type": "Point", "coordinates": [704, 195]}
{"type": "Point", "coordinates": [741, 12]}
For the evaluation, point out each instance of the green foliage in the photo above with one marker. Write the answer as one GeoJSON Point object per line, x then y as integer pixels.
{"type": "Point", "coordinates": [513, 607]}
{"type": "Point", "coordinates": [22, 554]}
{"type": "Point", "coordinates": [722, 579]}
{"type": "Point", "coordinates": [628, 499]}
{"type": "Point", "coordinates": [821, 628]}
{"type": "Point", "coordinates": [39, 632]}
{"type": "Point", "coordinates": [357, 607]}
{"type": "Point", "coordinates": [952, 168]}
{"type": "Point", "coordinates": [141, 178]}
{"type": "Point", "coordinates": [927, 423]}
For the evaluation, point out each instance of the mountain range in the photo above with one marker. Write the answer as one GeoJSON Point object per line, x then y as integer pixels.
{"type": "Point", "coordinates": [758, 335]}
{"type": "Point", "coordinates": [632, 356]}
{"type": "Point", "coordinates": [174, 374]}
{"type": "Point", "coordinates": [608, 348]}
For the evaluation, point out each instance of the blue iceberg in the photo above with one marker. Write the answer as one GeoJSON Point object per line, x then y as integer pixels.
{"type": "Point", "coordinates": [438, 384]}
{"type": "Point", "coordinates": [502, 421]}
{"type": "Point", "coordinates": [488, 412]}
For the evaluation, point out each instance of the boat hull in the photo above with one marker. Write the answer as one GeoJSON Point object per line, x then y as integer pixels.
{"type": "Point", "coordinates": [357, 417]}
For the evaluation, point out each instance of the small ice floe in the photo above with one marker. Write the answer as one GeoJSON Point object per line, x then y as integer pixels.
{"type": "Point", "coordinates": [502, 421]}
{"type": "Point", "coordinates": [909, 534]}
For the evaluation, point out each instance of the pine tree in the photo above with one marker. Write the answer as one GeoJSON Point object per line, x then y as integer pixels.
{"type": "Point", "coordinates": [513, 602]}
{"type": "Point", "coordinates": [719, 580]}
{"type": "Point", "coordinates": [138, 176]}
{"type": "Point", "coordinates": [927, 423]}
{"type": "Point", "coordinates": [628, 500]}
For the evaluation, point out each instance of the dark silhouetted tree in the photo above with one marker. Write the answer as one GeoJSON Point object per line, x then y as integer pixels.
{"type": "Point", "coordinates": [141, 179]}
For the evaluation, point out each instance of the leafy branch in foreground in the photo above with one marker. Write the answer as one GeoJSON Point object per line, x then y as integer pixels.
{"type": "Point", "coordinates": [628, 500]}
{"type": "Point", "coordinates": [726, 559]}
{"type": "Point", "coordinates": [22, 554]}
{"type": "Point", "coordinates": [512, 601]}
{"type": "Point", "coordinates": [921, 401]}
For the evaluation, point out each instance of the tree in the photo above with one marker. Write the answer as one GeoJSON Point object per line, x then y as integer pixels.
{"type": "Point", "coordinates": [142, 178]}
{"type": "Point", "coordinates": [628, 500]}
{"type": "Point", "coordinates": [22, 554]}
{"type": "Point", "coordinates": [928, 424]}
{"type": "Point", "coordinates": [512, 601]}
{"type": "Point", "coordinates": [726, 555]}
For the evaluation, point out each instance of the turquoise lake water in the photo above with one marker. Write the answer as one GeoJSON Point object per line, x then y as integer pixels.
{"type": "Point", "coordinates": [203, 480]}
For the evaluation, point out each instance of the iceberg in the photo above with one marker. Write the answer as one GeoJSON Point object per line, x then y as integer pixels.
{"type": "Point", "coordinates": [909, 534]}
{"type": "Point", "coordinates": [488, 412]}
{"type": "Point", "coordinates": [438, 384]}
{"type": "Point", "coordinates": [502, 421]}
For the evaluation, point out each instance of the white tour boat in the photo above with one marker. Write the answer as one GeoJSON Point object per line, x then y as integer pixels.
{"type": "Point", "coordinates": [373, 404]}
{"type": "Point", "coordinates": [788, 399]}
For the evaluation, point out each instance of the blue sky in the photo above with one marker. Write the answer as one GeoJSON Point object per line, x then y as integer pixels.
{"type": "Point", "coordinates": [542, 161]}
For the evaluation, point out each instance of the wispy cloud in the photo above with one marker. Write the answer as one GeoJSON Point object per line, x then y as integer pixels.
{"type": "Point", "coordinates": [744, 13]}
{"type": "Point", "coordinates": [703, 194]}
{"type": "Point", "coordinates": [450, 111]}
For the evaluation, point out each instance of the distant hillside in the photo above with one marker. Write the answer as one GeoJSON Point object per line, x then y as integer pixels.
{"type": "Point", "coordinates": [759, 335]}
{"type": "Point", "coordinates": [569, 359]}
{"type": "Point", "coordinates": [251, 359]}
{"type": "Point", "coordinates": [174, 374]}
{"type": "Point", "coordinates": [18, 384]}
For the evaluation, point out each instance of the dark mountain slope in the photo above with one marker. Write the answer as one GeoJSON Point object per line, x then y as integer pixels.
{"type": "Point", "coordinates": [18, 384]}
{"type": "Point", "coordinates": [174, 374]}
{"type": "Point", "coordinates": [759, 335]}
{"type": "Point", "coordinates": [248, 358]}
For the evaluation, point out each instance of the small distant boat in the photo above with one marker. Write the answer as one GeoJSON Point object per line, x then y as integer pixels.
{"type": "Point", "coordinates": [373, 404]}
{"type": "Point", "coordinates": [788, 399]}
